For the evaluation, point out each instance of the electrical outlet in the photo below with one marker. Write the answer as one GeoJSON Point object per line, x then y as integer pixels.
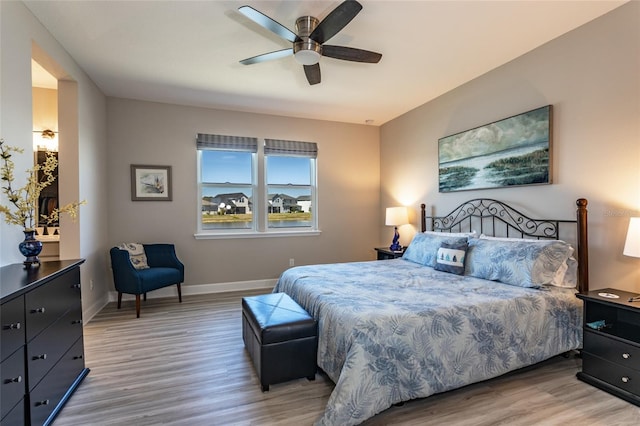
{"type": "Point", "coordinates": [292, 262]}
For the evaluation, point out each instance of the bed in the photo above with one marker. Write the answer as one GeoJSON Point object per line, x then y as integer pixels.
{"type": "Point", "coordinates": [395, 330]}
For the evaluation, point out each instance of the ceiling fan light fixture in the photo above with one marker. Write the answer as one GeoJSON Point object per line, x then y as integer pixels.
{"type": "Point", "coordinates": [307, 57]}
{"type": "Point", "coordinates": [307, 51]}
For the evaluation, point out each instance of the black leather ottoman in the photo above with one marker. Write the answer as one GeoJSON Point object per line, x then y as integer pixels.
{"type": "Point", "coordinates": [281, 338]}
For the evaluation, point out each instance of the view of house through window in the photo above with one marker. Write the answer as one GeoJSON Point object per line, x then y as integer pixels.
{"type": "Point", "coordinates": [288, 191]}
{"type": "Point", "coordinates": [227, 189]}
{"type": "Point", "coordinates": [234, 197]}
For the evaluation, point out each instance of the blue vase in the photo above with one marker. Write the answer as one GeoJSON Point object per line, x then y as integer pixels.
{"type": "Point", "coordinates": [30, 248]}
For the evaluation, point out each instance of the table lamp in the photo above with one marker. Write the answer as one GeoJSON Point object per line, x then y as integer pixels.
{"type": "Point", "coordinates": [632, 244]}
{"type": "Point", "coordinates": [396, 216]}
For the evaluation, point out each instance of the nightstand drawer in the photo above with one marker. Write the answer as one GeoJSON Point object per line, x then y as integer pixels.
{"type": "Point", "coordinates": [621, 377]}
{"type": "Point", "coordinates": [612, 350]}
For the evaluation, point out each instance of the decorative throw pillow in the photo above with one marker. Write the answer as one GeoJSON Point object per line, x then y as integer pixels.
{"type": "Point", "coordinates": [137, 257]}
{"type": "Point", "coordinates": [423, 247]}
{"type": "Point", "coordinates": [451, 257]}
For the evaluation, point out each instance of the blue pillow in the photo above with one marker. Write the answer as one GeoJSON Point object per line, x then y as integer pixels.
{"type": "Point", "coordinates": [450, 258]}
{"type": "Point", "coordinates": [522, 264]}
{"type": "Point", "coordinates": [424, 247]}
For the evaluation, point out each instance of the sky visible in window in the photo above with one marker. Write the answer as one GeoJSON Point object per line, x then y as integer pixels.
{"type": "Point", "coordinates": [235, 167]}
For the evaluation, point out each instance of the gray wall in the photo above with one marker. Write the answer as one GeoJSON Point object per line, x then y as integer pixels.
{"type": "Point", "coordinates": [82, 119]}
{"type": "Point", "coordinates": [592, 78]}
{"type": "Point", "coordinates": [161, 134]}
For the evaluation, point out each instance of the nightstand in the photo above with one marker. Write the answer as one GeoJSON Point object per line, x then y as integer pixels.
{"type": "Point", "coordinates": [611, 343]}
{"type": "Point", "coordinates": [385, 253]}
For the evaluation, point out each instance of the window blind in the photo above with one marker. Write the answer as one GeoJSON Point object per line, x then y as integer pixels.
{"type": "Point", "coordinates": [233, 143]}
{"type": "Point", "coordinates": [297, 148]}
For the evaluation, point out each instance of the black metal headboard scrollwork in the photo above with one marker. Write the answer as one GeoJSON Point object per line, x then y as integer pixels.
{"type": "Point", "coordinates": [495, 218]}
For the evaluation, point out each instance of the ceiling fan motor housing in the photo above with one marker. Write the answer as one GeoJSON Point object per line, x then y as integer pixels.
{"type": "Point", "coordinates": [306, 51]}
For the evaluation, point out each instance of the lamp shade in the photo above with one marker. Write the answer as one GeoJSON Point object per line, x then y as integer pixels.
{"type": "Point", "coordinates": [396, 216]}
{"type": "Point", "coordinates": [632, 244]}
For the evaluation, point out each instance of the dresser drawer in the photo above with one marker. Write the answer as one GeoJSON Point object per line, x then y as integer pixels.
{"type": "Point", "coordinates": [617, 375]}
{"type": "Point", "coordinates": [15, 417]}
{"type": "Point", "coordinates": [46, 396]}
{"type": "Point", "coordinates": [44, 351]}
{"type": "Point", "coordinates": [49, 302]}
{"type": "Point", "coordinates": [612, 350]}
{"type": "Point", "coordinates": [12, 319]}
{"type": "Point", "coordinates": [12, 380]}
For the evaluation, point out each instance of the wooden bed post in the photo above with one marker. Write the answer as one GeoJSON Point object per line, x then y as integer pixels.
{"type": "Point", "coordinates": [583, 247]}
{"type": "Point", "coordinates": [423, 218]}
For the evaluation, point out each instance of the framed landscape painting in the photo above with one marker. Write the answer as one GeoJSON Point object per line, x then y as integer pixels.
{"type": "Point", "coordinates": [511, 152]}
{"type": "Point", "coordinates": [150, 183]}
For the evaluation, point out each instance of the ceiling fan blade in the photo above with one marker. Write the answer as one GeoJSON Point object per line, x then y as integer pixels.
{"type": "Point", "coordinates": [268, 23]}
{"type": "Point", "coordinates": [350, 54]}
{"type": "Point", "coordinates": [313, 73]}
{"type": "Point", "coordinates": [336, 20]}
{"type": "Point", "coordinates": [267, 56]}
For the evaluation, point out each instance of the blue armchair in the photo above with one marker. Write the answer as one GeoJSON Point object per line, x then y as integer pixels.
{"type": "Point", "coordinates": [164, 270]}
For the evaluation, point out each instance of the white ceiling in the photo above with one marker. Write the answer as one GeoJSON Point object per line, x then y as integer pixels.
{"type": "Point", "coordinates": [187, 52]}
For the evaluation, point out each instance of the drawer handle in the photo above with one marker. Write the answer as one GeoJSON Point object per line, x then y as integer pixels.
{"type": "Point", "coordinates": [45, 402]}
{"type": "Point", "coordinates": [76, 322]}
{"type": "Point", "coordinates": [37, 311]}
{"type": "Point", "coordinates": [625, 379]}
{"type": "Point", "coordinates": [78, 357]}
{"type": "Point", "coordinates": [14, 326]}
{"type": "Point", "coordinates": [626, 355]}
{"type": "Point", "coordinates": [14, 380]}
{"type": "Point", "coordinates": [43, 356]}
{"type": "Point", "coordinates": [74, 286]}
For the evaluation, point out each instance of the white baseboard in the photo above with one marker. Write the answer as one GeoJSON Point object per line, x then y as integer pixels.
{"type": "Point", "coordinates": [89, 312]}
{"type": "Point", "coordinates": [190, 290]}
{"type": "Point", "coordinates": [187, 290]}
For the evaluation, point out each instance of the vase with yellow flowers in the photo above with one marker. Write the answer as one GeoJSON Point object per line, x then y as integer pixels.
{"type": "Point", "coordinates": [22, 208]}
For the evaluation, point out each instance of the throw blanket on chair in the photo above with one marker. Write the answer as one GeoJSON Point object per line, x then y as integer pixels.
{"type": "Point", "coordinates": [137, 255]}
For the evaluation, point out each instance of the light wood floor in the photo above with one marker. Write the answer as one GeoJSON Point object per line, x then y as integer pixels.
{"type": "Point", "coordinates": [185, 364]}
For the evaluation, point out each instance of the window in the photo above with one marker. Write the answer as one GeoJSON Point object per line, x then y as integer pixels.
{"type": "Point", "coordinates": [235, 199]}
{"type": "Point", "coordinates": [290, 183]}
{"type": "Point", "coordinates": [226, 182]}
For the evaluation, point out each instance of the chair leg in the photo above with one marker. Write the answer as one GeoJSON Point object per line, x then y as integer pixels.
{"type": "Point", "coordinates": [145, 297]}
{"type": "Point", "coordinates": [119, 299]}
{"type": "Point", "coordinates": [179, 293]}
{"type": "Point", "coordinates": [137, 306]}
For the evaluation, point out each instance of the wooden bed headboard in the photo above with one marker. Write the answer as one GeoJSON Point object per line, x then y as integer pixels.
{"type": "Point", "coordinates": [495, 218]}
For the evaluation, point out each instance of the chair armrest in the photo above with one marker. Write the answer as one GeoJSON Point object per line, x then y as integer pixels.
{"type": "Point", "coordinates": [125, 276]}
{"type": "Point", "coordinates": [163, 255]}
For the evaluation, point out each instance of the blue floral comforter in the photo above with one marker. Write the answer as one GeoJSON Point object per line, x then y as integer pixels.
{"type": "Point", "coordinates": [393, 330]}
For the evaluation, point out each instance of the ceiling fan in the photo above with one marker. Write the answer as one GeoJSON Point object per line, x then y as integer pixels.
{"type": "Point", "coordinates": [308, 43]}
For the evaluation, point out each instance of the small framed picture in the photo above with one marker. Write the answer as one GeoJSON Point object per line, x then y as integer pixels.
{"type": "Point", "coordinates": [150, 183]}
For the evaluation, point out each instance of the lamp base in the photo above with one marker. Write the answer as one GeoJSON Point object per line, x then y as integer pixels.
{"type": "Point", "coordinates": [395, 245]}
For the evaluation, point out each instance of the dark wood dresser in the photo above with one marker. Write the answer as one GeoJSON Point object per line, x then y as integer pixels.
{"type": "Point", "coordinates": [611, 343]}
{"type": "Point", "coordinates": [42, 351]}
